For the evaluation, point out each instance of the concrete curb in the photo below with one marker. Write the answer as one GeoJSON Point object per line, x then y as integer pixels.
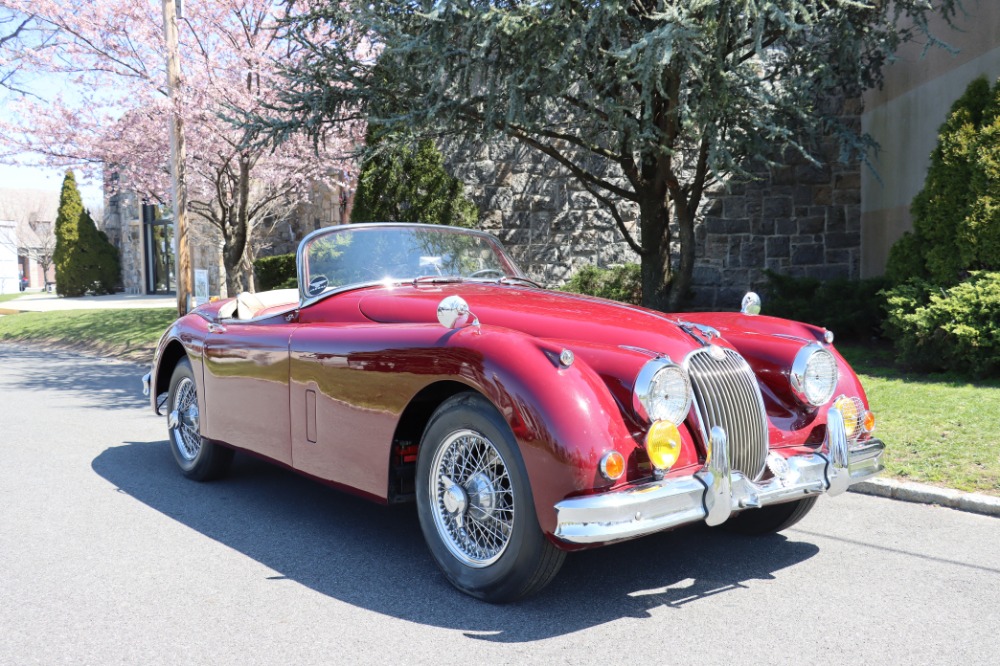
{"type": "Point", "coordinates": [907, 491]}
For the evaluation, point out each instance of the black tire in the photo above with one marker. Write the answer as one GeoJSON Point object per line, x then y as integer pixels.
{"type": "Point", "coordinates": [769, 519]}
{"type": "Point", "coordinates": [481, 526]}
{"type": "Point", "coordinates": [198, 458]}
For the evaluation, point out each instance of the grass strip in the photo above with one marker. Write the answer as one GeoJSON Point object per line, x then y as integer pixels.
{"type": "Point", "coordinates": [126, 333]}
{"type": "Point", "coordinates": [11, 296]}
{"type": "Point", "coordinates": [938, 428]}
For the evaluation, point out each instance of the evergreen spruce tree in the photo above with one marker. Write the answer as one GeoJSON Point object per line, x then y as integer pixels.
{"type": "Point", "coordinates": [84, 258]}
{"type": "Point", "coordinates": [410, 184]}
{"type": "Point", "coordinates": [69, 282]}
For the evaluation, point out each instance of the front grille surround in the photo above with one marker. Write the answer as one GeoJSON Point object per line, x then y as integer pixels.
{"type": "Point", "coordinates": [726, 394]}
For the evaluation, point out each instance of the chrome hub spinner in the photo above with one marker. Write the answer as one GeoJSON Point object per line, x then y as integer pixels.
{"type": "Point", "coordinates": [455, 499]}
{"type": "Point", "coordinates": [482, 496]}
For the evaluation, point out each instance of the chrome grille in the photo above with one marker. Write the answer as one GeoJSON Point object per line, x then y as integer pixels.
{"type": "Point", "coordinates": [726, 394]}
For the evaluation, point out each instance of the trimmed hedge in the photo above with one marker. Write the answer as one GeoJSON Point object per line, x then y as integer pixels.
{"type": "Point", "coordinates": [957, 329]}
{"type": "Point", "coordinates": [852, 309]}
{"type": "Point", "coordinates": [618, 283]}
{"type": "Point", "coordinates": [277, 272]}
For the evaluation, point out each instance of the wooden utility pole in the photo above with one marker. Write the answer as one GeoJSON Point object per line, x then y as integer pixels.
{"type": "Point", "coordinates": [182, 250]}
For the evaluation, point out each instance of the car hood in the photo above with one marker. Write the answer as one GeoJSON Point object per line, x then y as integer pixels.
{"type": "Point", "coordinates": [537, 312]}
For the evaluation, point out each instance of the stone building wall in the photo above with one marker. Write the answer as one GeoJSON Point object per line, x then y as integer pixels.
{"type": "Point", "coordinates": [123, 224]}
{"type": "Point", "coordinates": [801, 220]}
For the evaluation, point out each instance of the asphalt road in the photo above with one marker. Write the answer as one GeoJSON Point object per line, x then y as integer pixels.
{"type": "Point", "coordinates": [109, 556]}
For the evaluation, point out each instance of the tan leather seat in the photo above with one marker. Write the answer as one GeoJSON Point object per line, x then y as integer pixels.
{"type": "Point", "coordinates": [247, 306]}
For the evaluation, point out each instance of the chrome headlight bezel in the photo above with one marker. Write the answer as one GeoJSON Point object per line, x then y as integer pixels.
{"type": "Point", "coordinates": [814, 386]}
{"type": "Point", "coordinates": [647, 382]}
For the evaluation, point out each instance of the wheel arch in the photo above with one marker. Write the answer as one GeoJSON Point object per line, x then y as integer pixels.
{"type": "Point", "coordinates": [410, 430]}
{"type": "Point", "coordinates": [171, 355]}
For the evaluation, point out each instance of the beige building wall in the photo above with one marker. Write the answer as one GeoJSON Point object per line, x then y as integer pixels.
{"type": "Point", "coordinates": [904, 117]}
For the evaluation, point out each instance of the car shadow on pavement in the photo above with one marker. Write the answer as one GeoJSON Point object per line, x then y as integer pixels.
{"type": "Point", "coordinates": [96, 382]}
{"type": "Point", "coordinates": [374, 557]}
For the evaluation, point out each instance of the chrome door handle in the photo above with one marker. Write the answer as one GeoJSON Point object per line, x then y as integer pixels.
{"type": "Point", "coordinates": [216, 328]}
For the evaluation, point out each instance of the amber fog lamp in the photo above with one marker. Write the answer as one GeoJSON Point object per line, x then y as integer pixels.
{"type": "Point", "coordinates": [612, 465]}
{"type": "Point", "coordinates": [869, 421]}
{"type": "Point", "coordinates": [663, 444]}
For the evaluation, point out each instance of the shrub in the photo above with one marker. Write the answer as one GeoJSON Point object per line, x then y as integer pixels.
{"type": "Point", "coordinates": [956, 216]}
{"type": "Point", "coordinates": [618, 283]}
{"type": "Point", "coordinates": [955, 329]}
{"type": "Point", "coordinates": [852, 309]}
{"type": "Point", "coordinates": [277, 272]}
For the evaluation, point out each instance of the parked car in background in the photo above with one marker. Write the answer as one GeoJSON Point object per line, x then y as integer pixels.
{"type": "Point", "coordinates": [417, 363]}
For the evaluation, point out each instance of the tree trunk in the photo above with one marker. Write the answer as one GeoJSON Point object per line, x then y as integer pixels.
{"type": "Point", "coordinates": [681, 283]}
{"type": "Point", "coordinates": [654, 224]}
{"type": "Point", "coordinates": [234, 242]}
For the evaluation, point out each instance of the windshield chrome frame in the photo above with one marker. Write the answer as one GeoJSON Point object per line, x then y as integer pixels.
{"type": "Point", "coordinates": [306, 300]}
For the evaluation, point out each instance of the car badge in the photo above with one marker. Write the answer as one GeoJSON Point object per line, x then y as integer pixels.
{"type": "Point", "coordinates": [716, 352]}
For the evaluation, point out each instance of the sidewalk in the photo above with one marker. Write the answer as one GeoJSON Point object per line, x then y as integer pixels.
{"type": "Point", "coordinates": [41, 301]}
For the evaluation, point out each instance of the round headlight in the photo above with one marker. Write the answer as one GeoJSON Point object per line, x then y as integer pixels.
{"type": "Point", "coordinates": [814, 375]}
{"type": "Point", "coordinates": [662, 392]}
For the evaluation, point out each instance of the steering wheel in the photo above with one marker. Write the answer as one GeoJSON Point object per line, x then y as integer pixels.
{"type": "Point", "coordinates": [488, 272]}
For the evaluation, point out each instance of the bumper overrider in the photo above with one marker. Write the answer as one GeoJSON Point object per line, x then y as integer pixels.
{"type": "Point", "coordinates": [714, 492]}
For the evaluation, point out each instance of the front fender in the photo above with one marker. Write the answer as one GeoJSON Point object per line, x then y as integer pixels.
{"type": "Point", "coordinates": [564, 418]}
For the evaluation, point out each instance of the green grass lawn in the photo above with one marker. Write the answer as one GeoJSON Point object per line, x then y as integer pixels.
{"type": "Point", "coordinates": [130, 334]}
{"type": "Point", "coordinates": [938, 429]}
{"type": "Point", "coordinates": [11, 296]}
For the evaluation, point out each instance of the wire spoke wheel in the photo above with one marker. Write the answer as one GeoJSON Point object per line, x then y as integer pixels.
{"type": "Point", "coordinates": [199, 458]}
{"type": "Point", "coordinates": [472, 498]}
{"type": "Point", "coordinates": [475, 504]}
{"type": "Point", "coordinates": [183, 420]}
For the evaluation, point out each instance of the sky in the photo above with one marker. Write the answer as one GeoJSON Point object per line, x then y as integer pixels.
{"type": "Point", "coordinates": [43, 178]}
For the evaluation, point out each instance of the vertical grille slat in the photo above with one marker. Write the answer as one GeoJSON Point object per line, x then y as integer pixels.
{"type": "Point", "coordinates": [728, 396]}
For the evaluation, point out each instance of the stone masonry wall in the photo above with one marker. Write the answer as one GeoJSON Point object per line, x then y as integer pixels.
{"type": "Point", "coordinates": [801, 220]}
{"type": "Point", "coordinates": [546, 220]}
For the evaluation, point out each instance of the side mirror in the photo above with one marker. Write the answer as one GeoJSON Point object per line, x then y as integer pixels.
{"type": "Point", "coordinates": [751, 304]}
{"type": "Point", "coordinates": [453, 312]}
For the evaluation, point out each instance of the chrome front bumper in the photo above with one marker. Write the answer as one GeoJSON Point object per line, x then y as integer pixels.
{"type": "Point", "coordinates": [715, 491]}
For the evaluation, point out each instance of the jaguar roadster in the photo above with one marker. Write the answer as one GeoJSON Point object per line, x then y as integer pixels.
{"type": "Point", "coordinates": [417, 363]}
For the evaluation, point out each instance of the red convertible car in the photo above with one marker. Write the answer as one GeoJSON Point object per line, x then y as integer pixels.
{"type": "Point", "coordinates": [417, 363]}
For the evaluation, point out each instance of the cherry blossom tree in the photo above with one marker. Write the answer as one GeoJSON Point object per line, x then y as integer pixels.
{"type": "Point", "coordinates": [99, 100]}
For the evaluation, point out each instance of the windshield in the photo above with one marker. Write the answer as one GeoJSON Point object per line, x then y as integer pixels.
{"type": "Point", "coordinates": [364, 253]}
